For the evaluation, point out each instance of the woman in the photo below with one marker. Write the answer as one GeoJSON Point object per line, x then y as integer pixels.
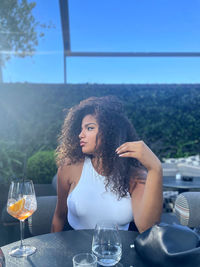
{"type": "Point", "coordinates": [105, 171]}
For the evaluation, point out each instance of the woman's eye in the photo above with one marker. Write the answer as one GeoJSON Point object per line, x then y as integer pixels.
{"type": "Point", "coordinates": [90, 128]}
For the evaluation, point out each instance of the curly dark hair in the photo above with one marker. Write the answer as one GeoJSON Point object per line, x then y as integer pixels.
{"type": "Point", "coordinates": [114, 130]}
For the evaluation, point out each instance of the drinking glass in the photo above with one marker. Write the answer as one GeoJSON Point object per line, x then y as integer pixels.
{"type": "Point", "coordinates": [84, 260]}
{"type": "Point", "coordinates": [21, 204]}
{"type": "Point", "coordinates": [2, 259]}
{"type": "Point", "coordinates": [106, 243]}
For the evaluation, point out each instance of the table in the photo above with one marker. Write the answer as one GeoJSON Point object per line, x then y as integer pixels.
{"type": "Point", "coordinates": [58, 249]}
{"type": "Point", "coordinates": [180, 185]}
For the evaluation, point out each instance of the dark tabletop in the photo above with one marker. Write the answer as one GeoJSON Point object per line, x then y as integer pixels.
{"type": "Point", "coordinates": [58, 249]}
{"type": "Point", "coordinates": [181, 185]}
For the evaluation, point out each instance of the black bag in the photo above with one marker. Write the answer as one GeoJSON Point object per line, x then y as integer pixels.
{"type": "Point", "coordinates": [169, 246]}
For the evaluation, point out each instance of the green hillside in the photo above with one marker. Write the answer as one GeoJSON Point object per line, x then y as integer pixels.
{"type": "Point", "coordinates": [166, 117]}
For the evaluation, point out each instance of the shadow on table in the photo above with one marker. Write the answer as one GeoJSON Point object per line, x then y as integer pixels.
{"type": "Point", "coordinates": [30, 261]}
{"type": "Point", "coordinates": [9, 234]}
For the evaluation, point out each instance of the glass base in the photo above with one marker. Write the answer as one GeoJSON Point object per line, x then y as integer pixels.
{"type": "Point", "coordinates": [23, 251]}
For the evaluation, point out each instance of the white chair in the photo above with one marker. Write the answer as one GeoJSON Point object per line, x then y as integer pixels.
{"type": "Point", "coordinates": [187, 209]}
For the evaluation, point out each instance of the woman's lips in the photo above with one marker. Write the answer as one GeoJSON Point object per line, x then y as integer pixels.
{"type": "Point", "coordinates": [82, 143]}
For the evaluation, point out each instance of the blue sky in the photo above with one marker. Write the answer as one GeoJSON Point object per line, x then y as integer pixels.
{"type": "Point", "coordinates": [115, 25]}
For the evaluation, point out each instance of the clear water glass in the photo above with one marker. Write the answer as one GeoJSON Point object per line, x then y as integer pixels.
{"type": "Point", "coordinates": [84, 260]}
{"type": "Point", "coordinates": [106, 244]}
{"type": "Point", "coordinates": [2, 259]}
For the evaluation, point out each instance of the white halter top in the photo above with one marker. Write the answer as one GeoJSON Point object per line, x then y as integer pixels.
{"type": "Point", "coordinates": [89, 202]}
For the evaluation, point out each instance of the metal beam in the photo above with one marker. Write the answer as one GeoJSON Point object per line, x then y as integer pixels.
{"type": "Point", "coordinates": [132, 54]}
{"type": "Point", "coordinates": [64, 14]}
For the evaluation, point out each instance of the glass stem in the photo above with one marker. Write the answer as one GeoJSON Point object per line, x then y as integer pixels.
{"type": "Point", "coordinates": [21, 233]}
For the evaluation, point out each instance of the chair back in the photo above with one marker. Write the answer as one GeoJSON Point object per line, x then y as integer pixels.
{"type": "Point", "coordinates": [40, 222]}
{"type": "Point", "coordinates": [54, 182]}
{"type": "Point", "coordinates": [187, 209]}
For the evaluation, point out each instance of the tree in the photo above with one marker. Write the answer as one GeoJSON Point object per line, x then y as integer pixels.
{"type": "Point", "coordinates": [18, 30]}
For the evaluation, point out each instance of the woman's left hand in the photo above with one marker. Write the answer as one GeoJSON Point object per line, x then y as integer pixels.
{"type": "Point", "coordinates": [141, 152]}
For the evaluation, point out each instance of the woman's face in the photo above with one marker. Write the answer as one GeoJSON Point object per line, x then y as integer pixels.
{"type": "Point", "coordinates": [88, 134]}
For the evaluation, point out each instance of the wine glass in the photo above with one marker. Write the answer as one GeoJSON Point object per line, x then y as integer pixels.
{"type": "Point", "coordinates": [106, 244]}
{"type": "Point", "coordinates": [21, 204]}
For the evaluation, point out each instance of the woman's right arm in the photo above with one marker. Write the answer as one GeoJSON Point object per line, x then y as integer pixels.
{"type": "Point", "coordinates": [63, 187]}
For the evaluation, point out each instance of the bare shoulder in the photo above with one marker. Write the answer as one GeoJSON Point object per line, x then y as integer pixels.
{"type": "Point", "coordinates": [69, 171]}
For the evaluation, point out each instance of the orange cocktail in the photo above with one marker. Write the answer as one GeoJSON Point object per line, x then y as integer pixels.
{"type": "Point", "coordinates": [19, 210]}
{"type": "Point", "coordinates": [21, 204]}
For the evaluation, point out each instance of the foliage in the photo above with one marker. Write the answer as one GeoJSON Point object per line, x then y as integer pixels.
{"type": "Point", "coordinates": [17, 26]}
{"type": "Point", "coordinates": [41, 167]}
{"type": "Point", "coordinates": [11, 162]}
{"type": "Point", "coordinates": [170, 120]}
{"type": "Point", "coordinates": [19, 30]}
{"type": "Point", "coordinates": [167, 117]}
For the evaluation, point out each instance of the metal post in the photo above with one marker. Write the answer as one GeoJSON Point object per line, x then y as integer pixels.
{"type": "Point", "coordinates": [1, 66]}
{"type": "Point", "coordinates": [65, 69]}
{"type": "Point", "coordinates": [64, 15]}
